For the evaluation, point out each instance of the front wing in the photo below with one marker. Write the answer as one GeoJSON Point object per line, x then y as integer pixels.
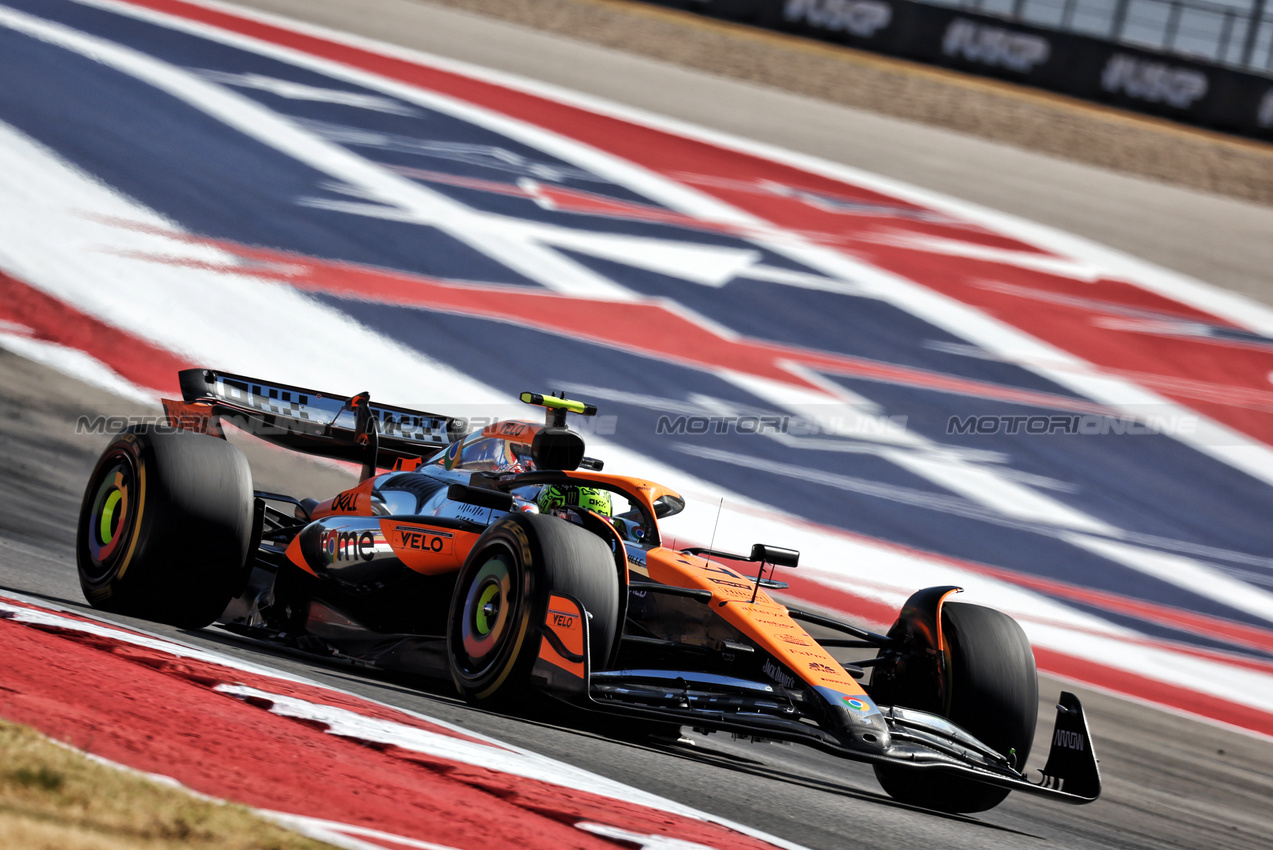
{"type": "Point", "coordinates": [912, 739]}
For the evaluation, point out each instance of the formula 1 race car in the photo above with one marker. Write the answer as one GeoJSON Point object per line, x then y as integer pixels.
{"type": "Point", "coordinates": [509, 562]}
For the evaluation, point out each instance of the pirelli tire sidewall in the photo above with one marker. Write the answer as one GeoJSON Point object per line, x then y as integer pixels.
{"type": "Point", "coordinates": [541, 555]}
{"type": "Point", "coordinates": [165, 526]}
{"type": "Point", "coordinates": [992, 691]}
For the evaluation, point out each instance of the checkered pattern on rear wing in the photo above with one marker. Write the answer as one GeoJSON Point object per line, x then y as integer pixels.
{"type": "Point", "coordinates": [316, 422]}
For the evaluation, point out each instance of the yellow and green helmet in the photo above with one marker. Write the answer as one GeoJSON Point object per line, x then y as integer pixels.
{"type": "Point", "coordinates": [568, 495]}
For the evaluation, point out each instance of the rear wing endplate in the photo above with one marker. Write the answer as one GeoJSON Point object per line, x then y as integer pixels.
{"type": "Point", "coordinates": [317, 423]}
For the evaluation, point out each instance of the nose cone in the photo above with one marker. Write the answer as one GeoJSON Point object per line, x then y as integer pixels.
{"type": "Point", "coordinates": [856, 721]}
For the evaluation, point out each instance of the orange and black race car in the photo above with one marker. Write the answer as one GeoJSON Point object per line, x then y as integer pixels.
{"type": "Point", "coordinates": [509, 562]}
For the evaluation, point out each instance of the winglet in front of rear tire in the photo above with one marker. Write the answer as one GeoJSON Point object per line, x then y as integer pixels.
{"type": "Point", "coordinates": [562, 665]}
{"type": "Point", "coordinates": [1072, 766]}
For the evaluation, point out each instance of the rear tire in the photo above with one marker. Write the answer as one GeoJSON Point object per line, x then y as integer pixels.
{"type": "Point", "coordinates": [992, 692]}
{"type": "Point", "coordinates": [165, 526]}
{"type": "Point", "coordinates": [501, 598]}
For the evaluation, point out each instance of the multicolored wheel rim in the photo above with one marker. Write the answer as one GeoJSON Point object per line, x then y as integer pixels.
{"type": "Point", "coordinates": [113, 513]}
{"type": "Point", "coordinates": [488, 611]}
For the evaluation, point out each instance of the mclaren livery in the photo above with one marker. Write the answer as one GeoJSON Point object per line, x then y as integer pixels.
{"type": "Point", "coordinates": [510, 563]}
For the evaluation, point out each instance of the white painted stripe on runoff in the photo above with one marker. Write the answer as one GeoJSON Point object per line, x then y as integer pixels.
{"type": "Point", "coordinates": [350, 724]}
{"type": "Point", "coordinates": [300, 91]}
{"type": "Point", "coordinates": [77, 364]}
{"type": "Point", "coordinates": [470, 747]}
{"type": "Point", "coordinates": [1192, 575]}
{"type": "Point", "coordinates": [706, 265]}
{"type": "Point", "coordinates": [836, 410]}
{"type": "Point", "coordinates": [983, 485]}
{"type": "Point", "coordinates": [1201, 677]}
{"type": "Point", "coordinates": [343, 834]}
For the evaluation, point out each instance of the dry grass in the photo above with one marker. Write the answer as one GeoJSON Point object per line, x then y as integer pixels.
{"type": "Point", "coordinates": [1023, 117]}
{"type": "Point", "coordinates": [52, 798]}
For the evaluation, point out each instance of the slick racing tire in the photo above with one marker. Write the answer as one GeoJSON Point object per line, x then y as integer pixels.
{"type": "Point", "coordinates": [992, 692]}
{"type": "Point", "coordinates": [165, 526]}
{"type": "Point", "coordinates": [501, 599]}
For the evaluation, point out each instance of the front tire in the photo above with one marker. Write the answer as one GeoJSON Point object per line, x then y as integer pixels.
{"type": "Point", "coordinates": [501, 599]}
{"type": "Point", "coordinates": [992, 691]}
{"type": "Point", "coordinates": [165, 526]}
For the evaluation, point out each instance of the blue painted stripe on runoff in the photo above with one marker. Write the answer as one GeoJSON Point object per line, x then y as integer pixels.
{"type": "Point", "coordinates": [1144, 483]}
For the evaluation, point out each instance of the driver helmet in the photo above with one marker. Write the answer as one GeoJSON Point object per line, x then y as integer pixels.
{"type": "Point", "coordinates": [566, 495]}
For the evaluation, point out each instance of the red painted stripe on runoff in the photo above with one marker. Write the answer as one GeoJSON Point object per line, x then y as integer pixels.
{"type": "Point", "coordinates": [862, 607]}
{"type": "Point", "coordinates": [171, 722]}
{"type": "Point", "coordinates": [1191, 701]}
{"type": "Point", "coordinates": [47, 319]}
{"type": "Point", "coordinates": [1239, 634]}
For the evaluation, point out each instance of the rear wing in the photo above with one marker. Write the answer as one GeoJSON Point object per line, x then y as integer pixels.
{"type": "Point", "coordinates": [331, 425]}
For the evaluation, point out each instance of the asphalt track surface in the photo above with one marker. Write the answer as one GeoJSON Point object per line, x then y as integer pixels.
{"type": "Point", "coordinates": [1170, 782]}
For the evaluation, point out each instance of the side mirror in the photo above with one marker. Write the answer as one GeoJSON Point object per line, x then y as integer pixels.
{"type": "Point", "coordinates": [775, 555]}
{"type": "Point", "coordinates": [665, 506]}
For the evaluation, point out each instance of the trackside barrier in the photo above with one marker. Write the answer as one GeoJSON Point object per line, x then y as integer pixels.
{"type": "Point", "coordinates": [1082, 66]}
